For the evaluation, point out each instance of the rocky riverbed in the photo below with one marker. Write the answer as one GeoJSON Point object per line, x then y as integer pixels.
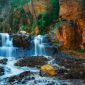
{"type": "Point", "coordinates": [46, 65]}
{"type": "Point", "coordinates": [27, 71]}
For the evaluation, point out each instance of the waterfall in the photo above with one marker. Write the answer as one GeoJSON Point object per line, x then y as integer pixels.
{"type": "Point", "coordinates": [39, 46]}
{"type": "Point", "coordinates": [7, 45]}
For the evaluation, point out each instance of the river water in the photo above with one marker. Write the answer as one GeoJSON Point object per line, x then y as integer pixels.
{"type": "Point", "coordinates": [8, 51]}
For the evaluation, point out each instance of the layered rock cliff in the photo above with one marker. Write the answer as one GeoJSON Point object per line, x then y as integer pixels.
{"type": "Point", "coordinates": [72, 30]}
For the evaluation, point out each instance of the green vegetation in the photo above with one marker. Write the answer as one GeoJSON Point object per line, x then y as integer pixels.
{"type": "Point", "coordinates": [80, 50]}
{"type": "Point", "coordinates": [45, 19]}
{"type": "Point", "coordinates": [19, 19]}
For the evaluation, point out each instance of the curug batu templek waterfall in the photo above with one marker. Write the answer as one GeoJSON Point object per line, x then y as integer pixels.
{"type": "Point", "coordinates": [40, 45]}
{"type": "Point", "coordinates": [42, 42]}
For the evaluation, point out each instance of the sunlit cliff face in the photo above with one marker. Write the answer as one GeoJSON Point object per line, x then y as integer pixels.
{"type": "Point", "coordinates": [70, 9]}
{"type": "Point", "coordinates": [72, 14]}
{"type": "Point", "coordinates": [40, 6]}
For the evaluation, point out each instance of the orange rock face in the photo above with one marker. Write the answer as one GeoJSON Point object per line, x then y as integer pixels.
{"type": "Point", "coordinates": [70, 9]}
{"type": "Point", "coordinates": [72, 30]}
{"type": "Point", "coordinates": [82, 26]}
{"type": "Point", "coordinates": [39, 6]}
{"type": "Point", "coordinates": [70, 35]}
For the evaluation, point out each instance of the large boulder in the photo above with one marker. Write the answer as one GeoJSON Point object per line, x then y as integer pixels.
{"type": "Point", "coordinates": [73, 69]}
{"type": "Point", "coordinates": [3, 61]}
{"type": "Point", "coordinates": [32, 61]}
{"type": "Point", "coordinates": [23, 41]}
{"type": "Point", "coordinates": [20, 78]}
{"type": "Point", "coordinates": [48, 70]}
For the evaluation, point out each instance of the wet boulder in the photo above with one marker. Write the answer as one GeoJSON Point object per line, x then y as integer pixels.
{"type": "Point", "coordinates": [1, 71]}
{"type": "Point", "coordinates": [48, 70]}
{"type": "Point", "coordinates": [23, 41]}
{"type": "Point", "coordinates": [35, 61]}
{"type": "Point", "coordinates": [22, 77]}
{"type": "Point", "coordinates": [3, 61]}
{"type": "Point", "coordinates": [76, 72]}
{"type": "Point", "coordinates": [73, 69]}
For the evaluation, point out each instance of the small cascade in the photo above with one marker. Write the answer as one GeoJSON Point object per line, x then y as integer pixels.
{"type": "Point", "coordinates": [39, 46]}
{"type": "Point", "coordinates": [6, 45]}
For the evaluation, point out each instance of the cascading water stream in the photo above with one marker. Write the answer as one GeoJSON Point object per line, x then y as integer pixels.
{"type": "Point", "coordinates": [7, 50]}
{"type": "Point", "coordinates": [39, 46]}
{"type": "Point", "coordinates": [7, 45]}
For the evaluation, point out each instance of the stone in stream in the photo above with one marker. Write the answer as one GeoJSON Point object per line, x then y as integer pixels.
{"type": "Point", "coordinates": [36, 61]}
{"type": "Point", "coordinates": [3, 61]}
{"type": "Point", "coordinates": [1, 70]}
{"type": "Point", "coordinates": [73, 69]}
{"type": "Point", "coordinates": [48, 70]}
{"type": "Point", "coordinates": [20, 78]}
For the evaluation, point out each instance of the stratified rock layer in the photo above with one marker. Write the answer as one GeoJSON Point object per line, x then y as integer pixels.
{"type": "Point", "coordinates": [72, 34]}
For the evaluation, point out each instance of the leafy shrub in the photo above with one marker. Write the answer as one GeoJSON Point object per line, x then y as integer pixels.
{"type": "Point", "coordinates": [45, 19]}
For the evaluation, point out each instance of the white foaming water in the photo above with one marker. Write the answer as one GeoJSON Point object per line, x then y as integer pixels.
{"type": "Point", "coordinates": [7, 45]}
{"type": "Point", "coordinates": [11, 69]}
{"type": "Point", "coordinates": [6, 50]}
{"type": "Point", "coordinates": [39, 46]}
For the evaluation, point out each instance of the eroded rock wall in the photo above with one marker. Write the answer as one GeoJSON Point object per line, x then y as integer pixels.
{"type": "Point", "coordinates": [72, 30]}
